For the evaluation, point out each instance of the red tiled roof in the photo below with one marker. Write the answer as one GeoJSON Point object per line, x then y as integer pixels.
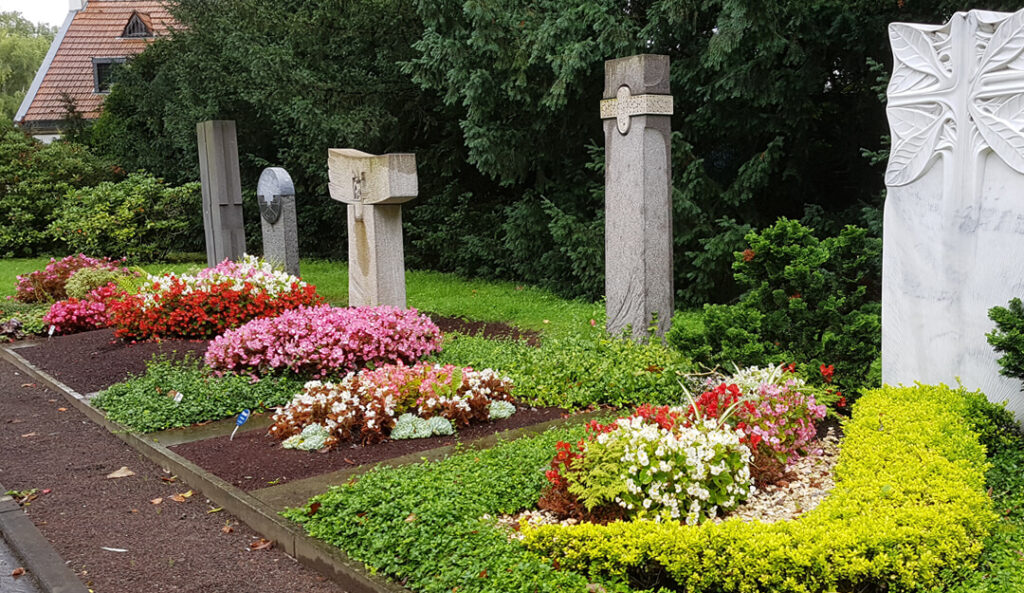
{"type": "Point", "coordinates": [95, 32]}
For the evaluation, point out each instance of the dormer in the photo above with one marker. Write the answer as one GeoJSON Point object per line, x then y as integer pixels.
{"type": "Point", "coordinates": [139, 25]}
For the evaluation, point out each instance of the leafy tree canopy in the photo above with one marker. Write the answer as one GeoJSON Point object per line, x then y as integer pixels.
{"type": "Point", "coordinates": [23, 46]}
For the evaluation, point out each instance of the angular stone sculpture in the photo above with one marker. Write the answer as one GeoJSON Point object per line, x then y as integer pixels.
{"type": "Point", "coordinates": [954, 214]}
{"type": "Point", "coordinates": [638, 194]}
{"type": "Point", "coordinates": [222, 191]}
{"type": "Point", "coordinates": [275, 194]}
{"type": "Point", "coordinates": [374, 187]}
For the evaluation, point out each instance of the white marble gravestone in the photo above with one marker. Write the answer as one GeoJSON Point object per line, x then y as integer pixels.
{"type": "Point", "coordinates": [954, 214]}
{"type": "Point", "coordinates": [275, 194]}
{"type": "Point", "coordinates": [374, 187]}
{"type": "Point", "coordinates": [637, 111]}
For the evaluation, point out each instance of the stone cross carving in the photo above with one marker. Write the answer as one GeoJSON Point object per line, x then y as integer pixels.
{"type": "Point", "coordinates": [954, 214]}
{"type": "Point", "coordinates": [638, 194]}
{"type": "Point", "coordinates": [275, 194]}
{"type": "Point", "coordinates": [374, 187]}
{"type": "Point", "coordinates": [222, 191]}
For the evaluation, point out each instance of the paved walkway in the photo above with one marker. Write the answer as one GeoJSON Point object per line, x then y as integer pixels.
{"type": "Point", "coordinates": [8, 563]}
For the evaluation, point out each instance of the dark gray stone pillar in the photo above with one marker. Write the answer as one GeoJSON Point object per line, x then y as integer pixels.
{"type": "Point", "coordinates": [222, 191]}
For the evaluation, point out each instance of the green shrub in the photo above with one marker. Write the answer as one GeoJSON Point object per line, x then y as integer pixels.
{"type": "Point", "coordinates": [430, 525]}
{"type": "Point", "coordinates": [807, 300]}
{"type": "Point", "coordinates": [578, 369]}
{"type": "Point", "coordinates": [1008, 337]}
{"type": "Point", "coordinates": [85, 280]}
{"type": "Point", "coordinates": [138, 218]}
{"type": "Point", "coordinates": [146, 403]}
{"type": "Point", "coordinates": [34, 179]}
{"type": "Point", "coordinates": [909, 513]}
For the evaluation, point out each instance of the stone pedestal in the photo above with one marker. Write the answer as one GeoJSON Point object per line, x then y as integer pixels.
{"type": "Point", "coordinates": [222, 191]}
{"type": "Point", "coordinates": [954, 212]}
{"type": "Point", "coordinates": [275, 194]}
{"type": "Point", "coordinates": [374, 187]}
{"type": "Point", "coordinates": [638, 194]}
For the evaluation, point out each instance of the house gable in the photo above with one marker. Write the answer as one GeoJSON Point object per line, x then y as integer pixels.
{"type": "Point", "coordinates": [83, 55]}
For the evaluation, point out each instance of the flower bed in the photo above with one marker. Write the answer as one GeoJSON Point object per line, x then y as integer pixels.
{"type": "Point", "coordinates": [89, 313]}
{"type": "Point", "coordinates": [370, 405]}
{"type": "Point", "coordinates": [49, 284]}
{"type": "Point", "coordinates": [320, 341]}
{"type": "Point", "coordinates": [207, 304]}
{"type": "Point", "coordinates": [909, 507]}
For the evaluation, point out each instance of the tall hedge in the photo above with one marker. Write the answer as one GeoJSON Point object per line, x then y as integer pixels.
{"type": "Point", "coordinates": [775, 102]}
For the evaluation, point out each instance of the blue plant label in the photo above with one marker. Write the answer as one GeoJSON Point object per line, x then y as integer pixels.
{"type": "Point", "coordinates": [242, 418]}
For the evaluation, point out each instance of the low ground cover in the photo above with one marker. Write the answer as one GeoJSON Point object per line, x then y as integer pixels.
{"type": "Point", "coordinates": [150, 402]}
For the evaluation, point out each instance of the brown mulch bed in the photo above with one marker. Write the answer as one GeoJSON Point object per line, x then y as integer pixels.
{"type": "Point", "coordinates": [95, 360]}
{"type": "Point", "coordinates": [91, 361]}
{"type": "Point", "coordinates": [254, 459]}
{"type": "Point", "coordinates": [171, 547]}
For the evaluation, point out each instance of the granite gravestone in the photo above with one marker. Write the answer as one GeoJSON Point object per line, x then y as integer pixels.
{"type": "Point", "coordinates": [637, 111]}
{"type": "Point", "coordinates": [374, 187]}
{"type": "Point", "coordinates": [275, 194]}
{"type": "Point", "coordinates": [954, 214]}
{"type": "Point", "coordinates": [222, 191]}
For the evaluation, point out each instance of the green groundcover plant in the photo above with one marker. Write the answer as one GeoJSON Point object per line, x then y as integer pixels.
{"type": "Point", "coordinates": [579, 369]}
{"type": "Point", "coordinates": [147, 402]}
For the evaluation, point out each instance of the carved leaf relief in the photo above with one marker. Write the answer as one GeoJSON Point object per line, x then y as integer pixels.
{"type": "Point", "coordinates": [912, 154]}
{"type": "Point", "coordinates": [912, 48]}
{"type": "Point", "coordinates": [1006, 44]}
{"type": "Point", "coordinates": [1006, 141]}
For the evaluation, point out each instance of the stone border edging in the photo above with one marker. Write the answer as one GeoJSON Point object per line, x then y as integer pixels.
{"type": "Point", "coordinates": [251, 510]}
{"type": "Point", "coordinates": [41, 561]}
{"type": "Point", "coordinates": [327, 560]}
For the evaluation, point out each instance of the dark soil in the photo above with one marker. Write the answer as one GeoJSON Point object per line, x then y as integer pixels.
{"type": "Point", "coordinates": [254, 459]}
{"type": "Point", "coordinates": [489, 329]}
{"type": "Point", "coordinates": [95, 360]}
{"type": "Point", "coordinates": [171, 547]}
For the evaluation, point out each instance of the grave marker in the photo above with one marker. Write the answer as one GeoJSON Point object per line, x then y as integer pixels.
{"type": "Point", "coordinates": [222, 191]}
{"type": "Point", "coordinates": [636, 110]}
{"type": "Point", "coordinates": [374, 187]}
{"type": "Point", "coordinates": [954, 215]}
{"type": "Point", "coordinates": [275, 194]}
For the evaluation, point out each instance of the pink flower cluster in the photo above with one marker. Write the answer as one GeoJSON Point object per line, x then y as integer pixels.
{"type": "Point", "coordinates": [784, 419]}
{"type": "Point", "coordinates": [48, 284]}
{"type": "Point", "coordinates": [363, 406]}
{"type": "Point", "coordinates": [323, 340]}
{"type": "Point", "coordinates": [76, 315]}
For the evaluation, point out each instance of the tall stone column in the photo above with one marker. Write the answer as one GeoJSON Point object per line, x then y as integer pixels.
{"type": "Point", "coordinates": [636, 110]}
{"type": "Point", "coordinates": [222, 191]}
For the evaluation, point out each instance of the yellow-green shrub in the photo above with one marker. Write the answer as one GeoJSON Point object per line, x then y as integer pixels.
{"type": "Point", "coordinates": [909, 512]}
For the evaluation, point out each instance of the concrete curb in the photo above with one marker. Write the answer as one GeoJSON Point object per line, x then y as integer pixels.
{"type": "Point", "coordinates": [39, 558]}
{"type": "Point", "coordinates": [254, 512]}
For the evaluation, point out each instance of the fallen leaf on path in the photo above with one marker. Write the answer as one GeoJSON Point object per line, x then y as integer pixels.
{"type": "Point", "coordinates": [181, 497]}
{"type": "Point", "coordinates": [47, 491]}
{"type": "Point", "coordinates": [28, 435]}
{"type": "Point", "coordinates": [261, 544]}
{"type": "Point", "coordinates": [169, 480]}
{"type": "Point", "coordinates": [216, 510]}
{"type": "Point", "coordinates": [157, 500]}
{"type": "Point", "coordinates": [227, 529]}
{"type": "Point", "coordinates": [17, 572]}
{"type": "Point", "coordinates": [28, 384]}
{"type": "Point", "coordinates": [124, 472]}
{"type": "Point", "coordinates": [120, 550]}
{"type": "Point", "coordinates": [62, 409]}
